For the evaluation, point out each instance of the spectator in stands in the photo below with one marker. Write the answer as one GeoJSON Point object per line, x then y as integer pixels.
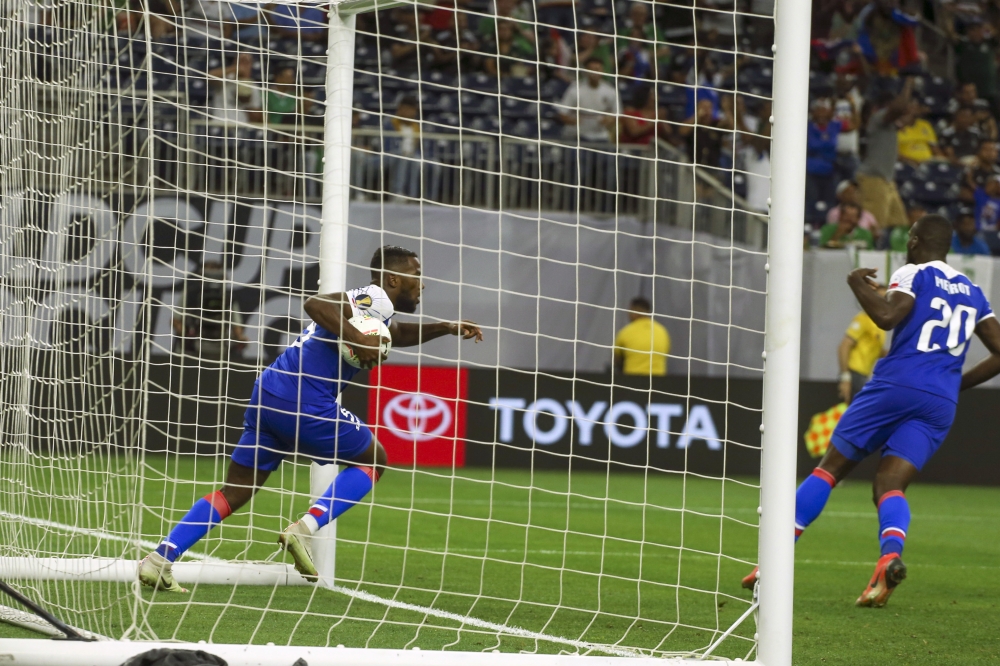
{"type": "Point", "coordinates": [966, 239]}
{"type": "Point", "coordinates": [981, 169]}
{"type": "Point", "coordinates": [514, 54]}
{"type": "Point", "coordinates": [638, 31]}
{"type": "Point", "coordinates": [591, 46]}
{"type": "Point", "coordinates": [235, 95]}
{"type": "Point", "coordinates": [639, 122]}
{"type": "Point", "coordinates": [843, 21]}
{"type": "Point", "coordinates": [886, 37]}
{"type": "Point", "coordinates": [406, 34]}
{"type": "Point", "coordinates": [917, 140]}
{"type": "Point", "coordinates": [821, 157]}
{"type": "Point", "coordinates": [299, 21]}
{"type": "Point", "coordinates": [960, 140]}
{"type": "Point", "coordinates": [556, 58]}
{"type": "Point", "coordinates": [976, 60]}
{"type": "Point", "coordinates": [988, 210]}
{"type": "Point", "coordinates": [635, 60]}
{"type": "Point", "coordinates": [208, 19]}
{"type": "Point", "coordinates": [965, 95]}
{"type": "Point", "coordinates": [516, 10]}
{"type": "Point", "coordinates": [847, 193]}
{"type": "Point", "coordinates": [846, 232]}
{"type": "Point", "coordinates": [847, 111]}
{"type": "Point", "coordinates": [878, 170]}
{"type": "Point", "coordinates": [900, 236]}
{"type": "Point", "coordinates": [590, 107]}
{"type": "Point", "coordinates": [642, 346]}
{"type": "Point", "coordinates": [281, 104]}
{"type": "Point", "coordinates": [985, 121]}
{"type": "Point", "coordinates": [703, 134]}
{"type": "Point", "coordinates": [404, 151]}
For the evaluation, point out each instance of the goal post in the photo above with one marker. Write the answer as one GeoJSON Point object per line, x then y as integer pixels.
{"type": "Point", "coordinates": [779, 427]}
{"type": "Point", "coordinates": [564, 552]}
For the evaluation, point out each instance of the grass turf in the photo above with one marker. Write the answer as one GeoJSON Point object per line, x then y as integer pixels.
{"type": "Point", "coordinates": [595, 557]}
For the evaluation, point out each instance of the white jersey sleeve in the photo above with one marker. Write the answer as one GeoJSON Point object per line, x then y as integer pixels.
{"type": "Point", "coordinates": [902, 279]}
{"type": "Point", "coordinates": [372, 301]}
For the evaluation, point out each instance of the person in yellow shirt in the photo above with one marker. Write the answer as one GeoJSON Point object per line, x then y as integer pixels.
{"type": "Point", "coordinates": [863, 345]}
{"type": "Point", "coordinates": [917, 139]}
{"type": "Point", "coordinates": [641, 346]}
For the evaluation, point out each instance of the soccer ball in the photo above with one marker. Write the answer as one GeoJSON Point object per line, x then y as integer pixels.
{"type": "Point", "coordinates": [368, 326]}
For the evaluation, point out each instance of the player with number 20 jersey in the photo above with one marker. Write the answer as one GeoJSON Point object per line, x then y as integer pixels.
{"type": "Point", "coordinates": [907, 408]}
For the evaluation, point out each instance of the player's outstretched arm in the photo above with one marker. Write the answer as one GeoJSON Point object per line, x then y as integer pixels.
{"type": "Point", "coordinates": [409, 335]}
{"type": "Point", "coordinates": [886, 312]}
{"type": "Point", "coordinates": [333, 312]}
{"type": "Point", "coordinates": [988, 331]}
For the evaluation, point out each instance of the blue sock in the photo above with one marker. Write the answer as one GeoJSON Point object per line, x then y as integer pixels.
{"type": "Point", "coordinates": [811, 497]}
{"type": "Point", "coordinates": [893, 521]}
{"type": "Point", "coordinates": [347, 489]}
{"type": "Point", "coordinates": [206, 513]}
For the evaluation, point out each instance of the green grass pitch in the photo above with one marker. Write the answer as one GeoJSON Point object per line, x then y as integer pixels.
{"type": "Point", "coordinates": [594, 557]}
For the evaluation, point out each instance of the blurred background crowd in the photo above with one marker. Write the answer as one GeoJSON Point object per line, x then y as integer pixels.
{"type": "Point", "coordinates": [587, 94]}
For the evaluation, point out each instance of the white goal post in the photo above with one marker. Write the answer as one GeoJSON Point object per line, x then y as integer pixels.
{"type": "Point", "coordinates": [773, 599]}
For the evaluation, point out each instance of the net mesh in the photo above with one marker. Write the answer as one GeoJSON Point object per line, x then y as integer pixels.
{"type": "Point", "coordinates": [550, 162]}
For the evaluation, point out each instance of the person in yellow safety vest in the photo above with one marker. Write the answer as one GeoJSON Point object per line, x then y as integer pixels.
{"type": "Point", "coordinates": [863, 345]}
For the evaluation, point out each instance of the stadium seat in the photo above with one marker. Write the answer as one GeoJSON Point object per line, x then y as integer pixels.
{"type": "Point", "coordinates": [525, 88]}
{"type": "Point", "coordinates": [481, 82]}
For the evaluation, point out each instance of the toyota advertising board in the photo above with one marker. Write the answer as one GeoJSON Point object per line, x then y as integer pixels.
{"type": "Point", "coordinates": [509, 419]}
{"type": "Point", "coordinates": [418, 414]}
{"type": "Point", "coordinates": [584, 422]}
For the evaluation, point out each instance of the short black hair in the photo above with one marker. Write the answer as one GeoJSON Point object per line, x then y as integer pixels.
{"type": "Point", "coordinates": [407, 100]}
{"type": "Point", "coordinates": [640, 303]}
{"type": "Point", "coordinates": [935, 232]}
{"type": "Point", "coordinates": [389, 257]}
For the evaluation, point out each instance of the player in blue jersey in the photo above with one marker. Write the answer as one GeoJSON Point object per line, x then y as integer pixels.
{"type": "Point", "coordinates": [907, 408]}
{"type": "Point", "coordinates": [294, 410]}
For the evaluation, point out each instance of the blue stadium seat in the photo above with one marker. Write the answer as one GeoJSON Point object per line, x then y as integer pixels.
{"type": "Point", "coordinates": [369, 100]}
{"type": "Point", "coordinates": [553, 90]}
{"type": "Point", "coordinates": [475, 103]}
{"type": "Point", "coordinates": [905, 172]}
{"type": "Point", "coordinates": [550, 129]}
{"type": "Point", "coordinates": [941, 173]}
{"type": "Point", "coordinates": [526, 88]}
{"type": "Point", "coordinates": [517, 109]}
{"type": "Point", "coordinates": [481, 82]}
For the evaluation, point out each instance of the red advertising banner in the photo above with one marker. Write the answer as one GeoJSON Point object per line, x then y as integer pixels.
{"type": "Point", "coordinates": [418, 414]}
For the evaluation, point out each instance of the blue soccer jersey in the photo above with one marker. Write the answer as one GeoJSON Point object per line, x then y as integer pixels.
{"type": "Point", "coordinates": [929, 345]}
{"type": "Point", "coordinates": [311, 371]}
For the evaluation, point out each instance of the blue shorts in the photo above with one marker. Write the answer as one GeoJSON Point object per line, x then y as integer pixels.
{"type": "Point", "coordinates": [274, 428]}
{"type": "Point", "coordinates": [904, 422]}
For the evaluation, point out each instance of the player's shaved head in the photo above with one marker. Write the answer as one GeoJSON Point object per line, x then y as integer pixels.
{"type": "Point", "coordinates": [390, 258]}
{"type": "Point", "coordinates": [933, 238]}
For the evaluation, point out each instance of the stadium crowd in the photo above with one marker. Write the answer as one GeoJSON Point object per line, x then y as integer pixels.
{"type": "Point", "coordinates": [887, 138]}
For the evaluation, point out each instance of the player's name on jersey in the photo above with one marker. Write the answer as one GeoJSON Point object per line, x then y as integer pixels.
{"type": "Point", "coordinates": [952, 287]}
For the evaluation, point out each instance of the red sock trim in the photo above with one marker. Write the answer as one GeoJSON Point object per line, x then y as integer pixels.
{"type": "Point", "coordinates": [219, 503]}
{"type": "Point", "coordinates": [798, 532]}
{"type": "Point", "coordinates": [891, 493]}
{"type": "Point", "coordinates": [893, 532]}
{"type": "Point", "coordinates": [316, 512]}
{"type": "Point", "coordinates": [825, 475]}
{"type": "Point", "coordinates": [371, 472]}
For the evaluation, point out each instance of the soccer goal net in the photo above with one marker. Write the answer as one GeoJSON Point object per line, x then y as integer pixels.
{"type": "Point", "coordinates": [588, 181]}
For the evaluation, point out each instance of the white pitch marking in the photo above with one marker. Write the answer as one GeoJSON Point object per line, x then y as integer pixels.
{"type": "Point", "coordinates": [356, 594]}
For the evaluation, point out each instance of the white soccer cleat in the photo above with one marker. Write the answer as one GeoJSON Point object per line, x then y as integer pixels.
{"type": "Point", "coordinates": [154, 572]}
{"type": "Point", "coordinates": [296, 540]}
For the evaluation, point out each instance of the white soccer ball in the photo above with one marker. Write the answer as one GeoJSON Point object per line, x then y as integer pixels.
{"type": "Point", "coordinates": [368, 326]}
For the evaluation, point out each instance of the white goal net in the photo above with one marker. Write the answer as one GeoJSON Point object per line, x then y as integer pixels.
{"type": "Point", "coordinates": [585, 180]}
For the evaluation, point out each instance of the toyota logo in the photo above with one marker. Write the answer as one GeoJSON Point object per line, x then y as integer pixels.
{"type": "Point", "coordinates": [417, 416]}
